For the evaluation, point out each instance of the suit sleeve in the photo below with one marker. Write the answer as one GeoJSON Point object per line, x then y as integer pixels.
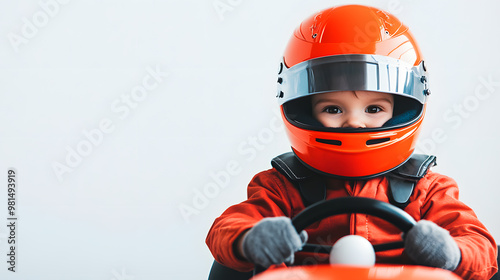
{"type": "Point", "coordinates": [267, 197]}
{"type": "Point", "coordinates": [478, 248]}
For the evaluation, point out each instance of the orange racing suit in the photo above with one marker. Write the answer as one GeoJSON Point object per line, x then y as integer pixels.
{"type": "Point", "coordinates": [435, 198]}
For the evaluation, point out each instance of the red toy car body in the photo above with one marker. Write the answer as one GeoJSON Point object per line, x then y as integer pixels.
{"type": "Point", "coordinates": [342, 272]}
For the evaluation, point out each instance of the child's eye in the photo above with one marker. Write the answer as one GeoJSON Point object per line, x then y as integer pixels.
{"type": "Point", "coordinates": [373, 109]}
{"type": "Point", "coordinates": [332, 110]}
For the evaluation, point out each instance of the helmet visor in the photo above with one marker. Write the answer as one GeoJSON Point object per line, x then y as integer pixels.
{"type": "Point", "coordinates": [352, 72]}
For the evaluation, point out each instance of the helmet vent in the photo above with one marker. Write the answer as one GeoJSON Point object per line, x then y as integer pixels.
{"type": "Point", "coordinates": [329, 142]}
{"type": "Point", "coordinates": [377, 141]}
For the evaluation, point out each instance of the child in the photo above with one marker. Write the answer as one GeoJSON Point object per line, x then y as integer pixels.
{"type": "Point", "coordinates": [353, 88]}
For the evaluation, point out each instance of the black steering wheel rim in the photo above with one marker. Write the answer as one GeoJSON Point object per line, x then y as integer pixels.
{"type": "Point", "coordinates": [347, 205]}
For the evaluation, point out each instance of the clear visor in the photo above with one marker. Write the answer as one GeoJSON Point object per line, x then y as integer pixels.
{"type": "Point", "coordinates": [352, 72]}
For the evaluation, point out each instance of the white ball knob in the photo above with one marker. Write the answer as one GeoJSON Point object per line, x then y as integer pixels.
{"type": "Point", "coordinates": [352, 250]}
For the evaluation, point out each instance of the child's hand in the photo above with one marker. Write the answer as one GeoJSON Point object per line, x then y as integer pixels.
{"type": "Point", "coordinates": [430, 245]}
{"type": "Point", "coordinates": [272, 241]}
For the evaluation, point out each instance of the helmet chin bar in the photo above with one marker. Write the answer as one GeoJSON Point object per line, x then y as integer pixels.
{"type": "Point", "coordinates": [353, 153]}
{"type": "Point", "coordinates": [350, 178]}
{"type": "Point", "coordinates": [352, 72]}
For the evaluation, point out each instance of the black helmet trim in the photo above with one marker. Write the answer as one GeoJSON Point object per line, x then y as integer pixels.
{"type": "Point", "coordinates": [406, 111]}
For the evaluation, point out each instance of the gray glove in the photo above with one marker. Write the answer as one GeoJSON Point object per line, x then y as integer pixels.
{"type": "Point", "coordinates": [272, 241]}
{"type": "Point", "coordinates": [431, 245]}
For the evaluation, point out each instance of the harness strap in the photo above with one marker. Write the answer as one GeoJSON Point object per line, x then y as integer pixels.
{"type": "Point", "coordinates": [312, 186]}
{"type": "Point", "coordinates": [403, 179]}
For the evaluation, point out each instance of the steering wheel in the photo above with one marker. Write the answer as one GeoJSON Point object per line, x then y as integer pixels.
{"type": "Point", "coordinates": [346, 205]}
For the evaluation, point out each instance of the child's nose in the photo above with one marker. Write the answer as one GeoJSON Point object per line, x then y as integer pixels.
{"type": "Point", "coordinates": [354, 121]}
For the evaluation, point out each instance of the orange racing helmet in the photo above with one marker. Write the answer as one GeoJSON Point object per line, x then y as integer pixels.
{"type": "Point", "coordinates": [352, 47]}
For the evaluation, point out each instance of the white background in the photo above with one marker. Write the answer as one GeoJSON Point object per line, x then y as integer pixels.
{"type": "Point", "coordinates": [117, 215]}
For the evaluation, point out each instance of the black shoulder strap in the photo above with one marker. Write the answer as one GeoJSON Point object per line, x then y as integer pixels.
{"type": "Point", "coordinates": [311, 185]}
{"type": "Point", "coordinates": [403, 179]}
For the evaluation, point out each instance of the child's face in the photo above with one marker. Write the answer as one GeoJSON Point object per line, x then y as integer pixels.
{"type": "Point", "coordinates": [356, 109]}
